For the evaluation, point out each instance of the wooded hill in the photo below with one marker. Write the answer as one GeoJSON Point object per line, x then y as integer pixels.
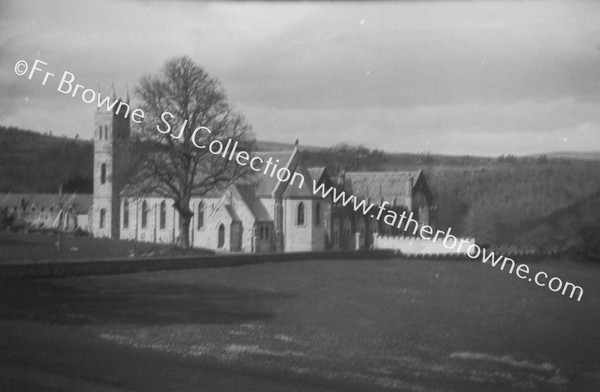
{"type": "Point", "coordinates": [542, 202]}
{"type": "Point", "coordinates": [33, 162]}
{"type": "Point", "coordinates": [529, 202]}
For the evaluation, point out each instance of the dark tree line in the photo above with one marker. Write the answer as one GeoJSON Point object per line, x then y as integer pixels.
{"type": "Point", "coordinates": [504, 200]}
{"type": "Point", "coordinates": [32, 162]}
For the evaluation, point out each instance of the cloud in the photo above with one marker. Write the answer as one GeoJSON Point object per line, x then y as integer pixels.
{"type": "Point", "coordinates": [494, 129]}
{"type": "Point", "coordinates": [439, 76]}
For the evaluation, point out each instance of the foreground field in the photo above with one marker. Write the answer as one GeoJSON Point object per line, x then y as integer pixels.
{"type": "Point", "coordinates": [305, 326]}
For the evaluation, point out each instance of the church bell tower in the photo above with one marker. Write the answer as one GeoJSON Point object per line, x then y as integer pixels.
{"type": "Point", "coordinates": [111, 133]}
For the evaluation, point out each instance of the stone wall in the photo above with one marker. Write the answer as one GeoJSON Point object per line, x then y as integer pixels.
{"type": "Point", "coordinates": [128, 265]}
{"type": "Point", "coordinates": [417, 245]}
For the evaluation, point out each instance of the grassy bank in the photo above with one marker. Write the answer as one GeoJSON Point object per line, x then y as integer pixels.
{"type": "Point", "coordinates": [38, 248]}
{"type": "Point", "coordinates": [375, 324]}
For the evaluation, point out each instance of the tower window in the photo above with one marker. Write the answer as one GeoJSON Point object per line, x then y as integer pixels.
{"type": "Point", "coordinates": [106, 131]}
{"type": "Point", "coordinates": [103, 173]}
{"type": "Point", "coordinates": [200, 215]}
{"type": "Point", "coordinates": [100, 132]}
{"type": "Point", "coordinates": [125, 214]}
{"type": "Point", "coordinates": [163, 214]}
{"type": "Point", "coordinates": [102, 217]}
{"type": "Point", "coordinates": [300, 214]}
{"type": "Point", "coordinates": [144, 214]}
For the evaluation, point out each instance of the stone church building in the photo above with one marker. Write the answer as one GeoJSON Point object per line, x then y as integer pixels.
{"type": "Point", "coordinates": [264, 216]}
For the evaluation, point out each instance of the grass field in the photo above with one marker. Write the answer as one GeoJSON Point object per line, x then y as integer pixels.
{"type": "Point", "coordinates": [367, 325]}
{"type": "Point", "coordinates": [39, 247]}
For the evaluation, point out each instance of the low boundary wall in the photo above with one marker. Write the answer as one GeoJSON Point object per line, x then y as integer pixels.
{"type": "Point", "coordinates": [416, 246]}
{"type": "Point", "coordinates": [129, 265]}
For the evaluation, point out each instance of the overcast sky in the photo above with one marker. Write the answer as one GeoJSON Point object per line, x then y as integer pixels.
{"type": "Point", "coordinates": [482, 78]}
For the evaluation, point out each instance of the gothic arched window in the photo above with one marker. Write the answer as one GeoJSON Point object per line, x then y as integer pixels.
{"type": "Point", "coordinates": [300, 214]}
{"type": "Point", "coordinates": [144, 214]}
{"type": "Point", "coordinates": [221, 235]}
{"type": "Point", "coordinates": [126, 214]}
{"type": "Point", "coordinates": [103, 173]}
{"type": "Point", "coordinates": [163, 214]}
{"type": "Point", "coordinates": [200, 217]}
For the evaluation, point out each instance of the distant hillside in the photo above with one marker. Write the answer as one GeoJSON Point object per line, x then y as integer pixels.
{"type": "Point", "coordinates": [263, 145]}
{"type": "Point", "coordinates": [488, 203]}
{"type": "Point", "coordinates": [32, 162]}
{"type": "Point", "coordinates": [352, 158]}
{"type": "Point", "coordinates": [577, 226]}
{"type": "Point", "coordinates": [35, 162]}
{"type": "Point", "coordinates": [541, 201]}
{"type": "Point", "coordinates": [590, 156]}
{"type": "Point", "coordinates": [490, 198]}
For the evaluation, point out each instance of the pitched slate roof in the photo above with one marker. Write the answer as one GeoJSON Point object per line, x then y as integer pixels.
{"type": "Point", "coordinates": [292, 190]}
{"type": "Point", "coordinates": [256, 207]}
{"type": "Point", "coordinates": [316, 172]}
{"type": "Point", "coordinates": [265, 184]}
{"type": "Point", "coordinates": [381, 185]}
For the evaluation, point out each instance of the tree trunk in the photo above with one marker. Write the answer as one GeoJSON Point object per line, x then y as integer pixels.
{"type": "Point", "coordinates": [185, 218]}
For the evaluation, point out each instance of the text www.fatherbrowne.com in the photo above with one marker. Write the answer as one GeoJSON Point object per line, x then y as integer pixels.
{"type": "Point", "coordinates": [269, 167]}
{"type": "Point", "coordinates": [474, 251]}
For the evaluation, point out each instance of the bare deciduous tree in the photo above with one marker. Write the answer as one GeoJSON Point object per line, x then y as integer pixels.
{"type": "Point", "coordinates": [174, 167]}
